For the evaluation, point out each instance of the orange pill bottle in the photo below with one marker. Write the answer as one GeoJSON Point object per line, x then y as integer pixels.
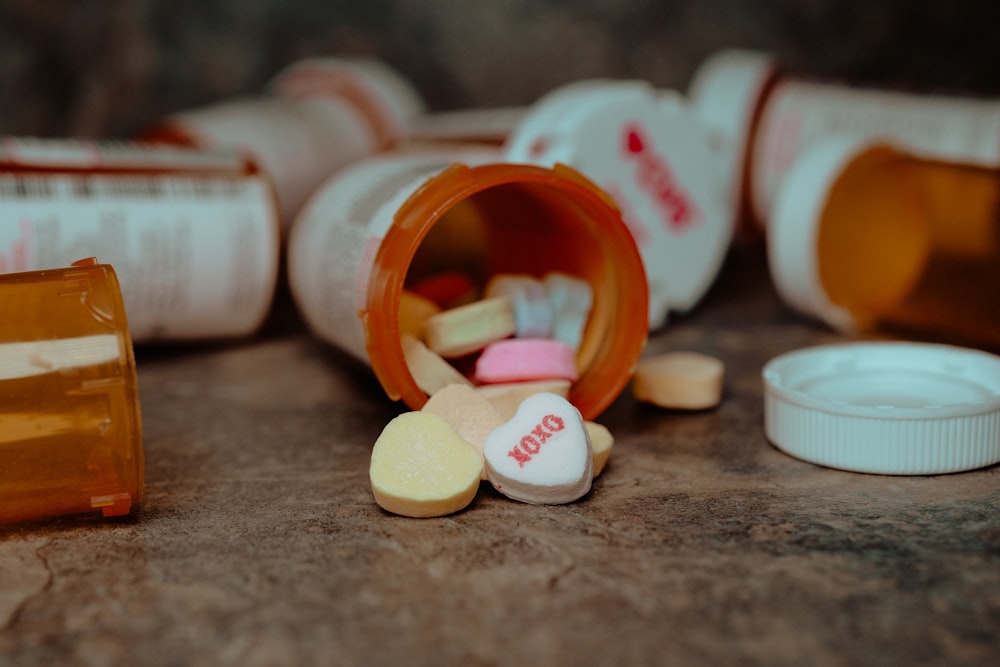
{"type": "Point", "coordinates": [70, 432]}
{"type": "Point", "coordinates": [871, 237]}
{"type": "Point", "coordinates": [381, 224]}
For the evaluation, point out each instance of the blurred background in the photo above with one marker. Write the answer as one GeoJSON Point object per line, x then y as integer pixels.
{"type": "Point", "coordinates": [110, 68]}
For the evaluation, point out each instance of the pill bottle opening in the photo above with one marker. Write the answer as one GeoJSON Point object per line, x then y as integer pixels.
{"type": "Point", "coordinates": [72, 436]}
{"type": "Point", "coordinates": [874, 236]}
{"type": "Point", "coordinates": [911, 246]}
{"type": "Point", "coordinates": [506, 218]}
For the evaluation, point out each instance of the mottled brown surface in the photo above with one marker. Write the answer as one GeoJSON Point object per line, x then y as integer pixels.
{"type": "Point", "coordinates": [258, 542]}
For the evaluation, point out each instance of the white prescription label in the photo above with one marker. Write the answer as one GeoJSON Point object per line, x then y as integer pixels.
{"type": "Point", "coordinates": [196, 255]}
{"type": "Point", "coordinates": [336, 239]}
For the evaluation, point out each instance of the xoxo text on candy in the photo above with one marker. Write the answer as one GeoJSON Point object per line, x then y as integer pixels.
{"type": "Point", "coordinates": [542, 455]}
{"type": "Point", "coordinates": [532, 443]}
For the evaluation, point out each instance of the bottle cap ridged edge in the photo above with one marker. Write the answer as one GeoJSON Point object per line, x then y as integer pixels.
{"type": "Point", "coordinates": [884, 439]}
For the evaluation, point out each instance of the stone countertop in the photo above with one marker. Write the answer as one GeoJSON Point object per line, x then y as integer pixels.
{"type": "Point", "coordinates": [258, 541]}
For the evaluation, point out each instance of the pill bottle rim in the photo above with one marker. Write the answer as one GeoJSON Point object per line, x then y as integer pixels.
{"type": "Point", "coordinates": [604, 379]}
{"type": "Point", "coordinates": [800, 217]}
{"type": "Point", "coordinates": [133, 428]}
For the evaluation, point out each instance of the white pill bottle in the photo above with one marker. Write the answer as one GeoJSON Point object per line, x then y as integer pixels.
{"type": "Point", "coordinates": [762, 119]}
{"type": "Point", "coordinates": [193, 234]}
{"type": "Point", "coordinates": [390, 220]}
{"type": "Point", "coordinates": [316, 116]}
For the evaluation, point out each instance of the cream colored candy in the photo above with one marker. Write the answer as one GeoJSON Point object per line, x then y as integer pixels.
{"type": "Point", "coordinates": [460, 331]}
{"type": "Point", "coordinates": [413, 312]}
{"type": "Point", "coordinates": [601, 441]}
{"type": "Point", "coordinates": [420, 467]}
{"type": "Point", "coordinates": [508, 396]}
{"type": "Point", "coordinates": [681, 380]}
{"type": "Point", "coordinates": [471, 415]}
{"type": "Point", "coordinates": [532, 310]}
{"type": "Point", "coordinates": [542, 455]}
{"type": "Point", "coordinates": [429, 370]}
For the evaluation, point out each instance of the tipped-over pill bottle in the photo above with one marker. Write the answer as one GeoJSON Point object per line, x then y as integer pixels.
{"type": "Point", "coordinates": [192, 234]}
{"type": "Point", "coordinates": [870, 237]}
{"type": "Point", "coordinates": [70, 432]}
{"type": "Point", "coordinates": [647, 149]}
{"type": "Point", "coordinates": [382, 224]}
{"type": "Point", "coordinates": [317, 115]}
{"type": "Point", "coordinates": [762, 118]}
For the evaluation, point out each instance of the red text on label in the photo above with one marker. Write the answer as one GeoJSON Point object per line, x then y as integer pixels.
{"type": "Point", "coordinates": [655, 177]}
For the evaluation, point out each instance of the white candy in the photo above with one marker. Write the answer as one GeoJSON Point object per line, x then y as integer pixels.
{"type": "Point", "coordinates": [532, 311]}
{"type": "Point", "coordinates": [570, 299]}
{"type": "Point", "coordinates": [542, 455]}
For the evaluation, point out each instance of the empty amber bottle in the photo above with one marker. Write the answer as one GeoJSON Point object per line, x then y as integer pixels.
{"type": "Point", "coordinates": [871, 237]}
{"type": "Point", "coordinates": [70, 431]}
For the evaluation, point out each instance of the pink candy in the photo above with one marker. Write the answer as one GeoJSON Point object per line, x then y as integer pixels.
{"type": "Point", "coordinates": [526, 359]}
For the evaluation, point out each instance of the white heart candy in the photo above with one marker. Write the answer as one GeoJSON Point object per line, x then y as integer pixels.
{"type": "Point", "coordinates": [543, 454]}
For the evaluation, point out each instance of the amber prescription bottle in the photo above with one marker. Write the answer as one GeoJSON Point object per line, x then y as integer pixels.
{"type": "Point", "coordinates": [316, 116]}
{"type": "Point", "coordinates": [871, 237]}
{"type": "Point", "coordinates": [762, 118]}
{"type": "Point", "coordinates": [192, 234]}
{"type": "Point", "coordinates": [380, 224]}
{"type": "Point", "coordinates": [70, 433]}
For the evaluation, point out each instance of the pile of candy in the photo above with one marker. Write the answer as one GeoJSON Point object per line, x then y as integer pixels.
{"type": "Point", "coordinates": [430, 462]}
{"type": "Point", "coordinates": [523, 330]}
{"type": "Point", "coordinates": [507, 420]}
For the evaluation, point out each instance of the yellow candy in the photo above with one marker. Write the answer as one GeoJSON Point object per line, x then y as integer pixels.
{"type": "Point", "coordinates": [601, 441]}
{"type": "Point", "coordinates": [429, 371]}
{"type": "Point", "coordinates": [470, 328]}
{"type": "Point", "coordinates": [420, 467]}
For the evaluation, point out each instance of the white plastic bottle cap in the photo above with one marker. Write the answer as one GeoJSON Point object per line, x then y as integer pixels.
{"type": "Point", "coordinates": [649, 152]}
{"type": "Point", "coordinates": [891, 408]}
{"type": "Point", "coordinates": [725, 93]}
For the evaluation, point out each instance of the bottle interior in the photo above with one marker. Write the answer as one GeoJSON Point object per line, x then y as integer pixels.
{"type": "Point", "coordinates": [912, 247]}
